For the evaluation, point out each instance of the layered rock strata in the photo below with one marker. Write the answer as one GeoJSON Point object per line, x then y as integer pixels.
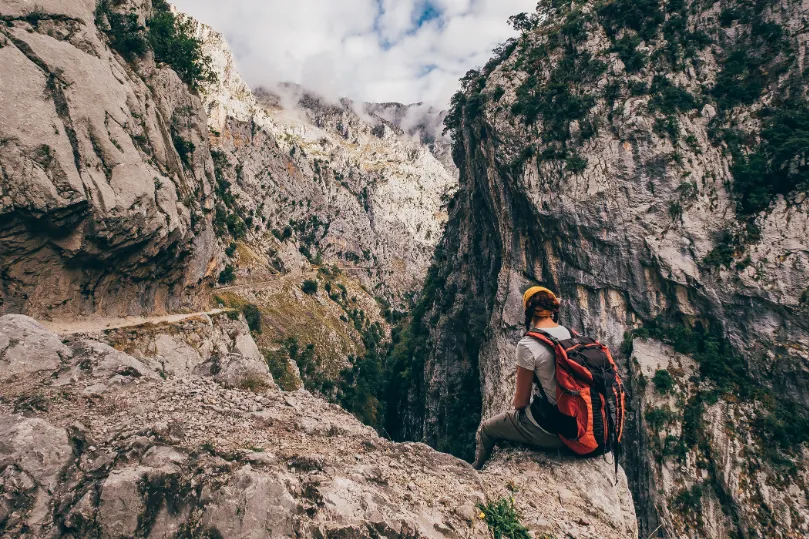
{"type": "Point", "coordinates": [98, 211]}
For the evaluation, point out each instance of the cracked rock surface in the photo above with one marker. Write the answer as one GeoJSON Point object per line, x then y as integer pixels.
{"type": "Point", "coordinates": [94, 199]}
{"type": "Point", "coordinates": [178, 456]}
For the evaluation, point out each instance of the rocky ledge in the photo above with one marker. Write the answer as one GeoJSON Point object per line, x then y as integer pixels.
{"type": "Point", "coordinates": [95, 442]}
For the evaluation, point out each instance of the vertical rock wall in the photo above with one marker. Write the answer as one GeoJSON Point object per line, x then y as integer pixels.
{"type": "Point", "coordinates": [98, 212]}
{"type": "Point", "coordinates": [567, 165]}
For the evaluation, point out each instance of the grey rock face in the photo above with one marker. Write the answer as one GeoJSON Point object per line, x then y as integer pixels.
{"type": "Point", "coordinates": [27, 347]}
{"type": "Point", "coordinates": [33, 454]}
{"type": "Point", "coordinates": [746, 476]}
{"type": "Point", "coordinates": [358, 185]}
{"type": "Point", "coordinates": [623, 238]}
{"type": "Point", "coordinates": [187, 455]}
{"type": "Point", "coordinates": [96, 205]}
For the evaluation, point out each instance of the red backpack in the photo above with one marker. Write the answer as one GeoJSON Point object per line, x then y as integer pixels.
{"type": "Point", "coordinates": [590, 398]}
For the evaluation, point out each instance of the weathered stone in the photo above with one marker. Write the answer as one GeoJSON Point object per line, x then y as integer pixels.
{"type": "Point", "coordinates": [369, 194]}
{"type": "Point", "coordinates": [26, 347]}
{"type": "Point", "coordinates": [90, 172]}
{"type": "Point", "coordinates": [262, 474]}
{"type": "Point", "coordinates": [33, 454]}
{"type": "Point", "coordinates": [121, 502]}
{"type": "Point", "coordinates": [251, 504]}
{"type": "Point", "coordinates": [620, 220]}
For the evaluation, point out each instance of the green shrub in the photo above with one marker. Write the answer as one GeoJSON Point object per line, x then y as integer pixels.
{"type": "Point", "coordinates": [663, 381]}
{"type": "Point", "coordinates": [668, 126]}
{"type": "Point", "coordinates": [253, 316]}
{"type": "Point", "coordinates": [124, 31]}
{"type": "Point", "coordinates": [657, 418]}
{"type": "Point", "coordinates": [236, 226]}
{"type": "Point", "coordinates": [783, 426]}
{"type": "Point", "coordinates": [755, 59]}
{"type": "Point", "coordinates": [627, 49]}
{"type": "Point", "coordinates": [185, 148]}
{"type": "Point", "coordinates": [780, 163]}
{"type": "Point", "coordinates": [642, 16]}
{"type": "Point", "coordinates": [172, 41]}
{"type": "Point", "coordinates": [689, 500]}
{"type": "Point", "coordinates": [523, 22]}
{"type": "Point", "coordinates": [228, 275]}
{"type": "Point", "coordinates": [503, 519]}
{"type": "Point", "coordinates": [231, 250]}
{"type": "Point", "coordinates": [675, 209]}
{"type": "Point", "coordinates": [281, 370]}
{"type": "Point", "coordinates": [722, 255]}
{"type": "Point", "coordinates": [556, 102]}
{"type": "Point", "coordinates": [669, 98]}
{"type": "Point", "coordinates": [637, 88]}
{"type": "Point", "coordinates": [175, 44]}
{"type": "Point", "coordinates": [741, 80]}
{"type": "Point", "coordinates": [576, 164]}
{"type": "Point", "coordinates": [309, 286]}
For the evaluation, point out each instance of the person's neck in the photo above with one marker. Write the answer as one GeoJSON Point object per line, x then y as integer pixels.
{"type": "Point", "coordinates": [544, 323]}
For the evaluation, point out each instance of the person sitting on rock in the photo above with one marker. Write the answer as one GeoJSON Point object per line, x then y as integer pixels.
{"type": "Point", "coordinates": [529, 421]}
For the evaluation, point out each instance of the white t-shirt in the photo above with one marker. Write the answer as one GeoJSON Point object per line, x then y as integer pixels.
{"type": "Point", "coordinates": [538, 357]}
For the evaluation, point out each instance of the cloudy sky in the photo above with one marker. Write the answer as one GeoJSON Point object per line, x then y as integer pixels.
{"type": "Point", "coordinates": [372, 50]}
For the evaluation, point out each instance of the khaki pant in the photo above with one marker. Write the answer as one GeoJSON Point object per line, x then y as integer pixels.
{"type": "Point", "coordinates": [516, 427]}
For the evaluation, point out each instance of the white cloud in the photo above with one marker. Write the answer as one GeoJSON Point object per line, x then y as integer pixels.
{"type": "Point", "coordinates": [368, 50]}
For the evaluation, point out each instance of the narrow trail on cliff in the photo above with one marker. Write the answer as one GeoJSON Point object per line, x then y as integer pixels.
{"type": "Point", "coordinates": [93, 325]}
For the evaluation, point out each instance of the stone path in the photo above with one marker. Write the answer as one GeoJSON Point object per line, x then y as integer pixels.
{"type": "Point", "coordinates": [94, 324]}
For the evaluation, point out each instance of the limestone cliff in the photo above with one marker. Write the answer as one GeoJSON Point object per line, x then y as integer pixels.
{"type": "Point", "coordinates": [645, 160]}
{"type": "Point", "coordinates": [131, 183]}
{"type": "Point", "coordinates": [98, 210]}
{"type": "Point", "coordinates": [325, 183]}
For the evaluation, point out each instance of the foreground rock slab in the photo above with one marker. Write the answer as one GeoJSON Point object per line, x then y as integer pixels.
{"type": "Point", "coordinates": [171, 456]}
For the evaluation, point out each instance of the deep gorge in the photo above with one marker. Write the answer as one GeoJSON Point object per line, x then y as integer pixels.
{"type": "Point", "coordinates": [264, 276]}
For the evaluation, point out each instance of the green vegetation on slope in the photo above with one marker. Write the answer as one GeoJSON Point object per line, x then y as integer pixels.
{"type": "Point", "coordinates": [170, 38]}
{"type": "Point", "coordinates": [780, 425]}
{"type": "Point", "coordinates": [566, 82]}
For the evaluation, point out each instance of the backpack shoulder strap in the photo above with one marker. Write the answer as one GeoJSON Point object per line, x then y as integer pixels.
{"type": "Point", "coordinates": [543, 337]}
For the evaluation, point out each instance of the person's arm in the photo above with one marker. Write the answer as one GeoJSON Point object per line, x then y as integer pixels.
{"type": "Point", "coordinates": [525, 383]}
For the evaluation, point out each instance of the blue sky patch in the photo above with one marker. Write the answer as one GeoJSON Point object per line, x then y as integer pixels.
{"type": "Point", "coordinates": [428, 13]}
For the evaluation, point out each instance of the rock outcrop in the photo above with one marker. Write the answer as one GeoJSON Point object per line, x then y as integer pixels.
{"type": "Point", "coordinates": [319, 182]}
{"type": "Point", "coordinates": [160, 453]}
{"type": "Point", "coordinates": [610, 153]}
{"type": "Point", "coordinates": [98, 211]}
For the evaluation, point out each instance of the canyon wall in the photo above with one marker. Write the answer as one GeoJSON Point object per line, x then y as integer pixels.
{"type": "Point", "coordinates": [643, 160]}
{"type": "Point", "coordinates": [99, 212]}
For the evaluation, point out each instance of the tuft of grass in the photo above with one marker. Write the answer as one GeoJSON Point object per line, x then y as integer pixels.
{"type": "Point", "coordinates": [503, 519]}
{"type": "Point", "coordinates": [252, 382]}
{"type": "Point", "coordinates": [658, 418]}
{"type": "Point", "coordinates": [281, 370]}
